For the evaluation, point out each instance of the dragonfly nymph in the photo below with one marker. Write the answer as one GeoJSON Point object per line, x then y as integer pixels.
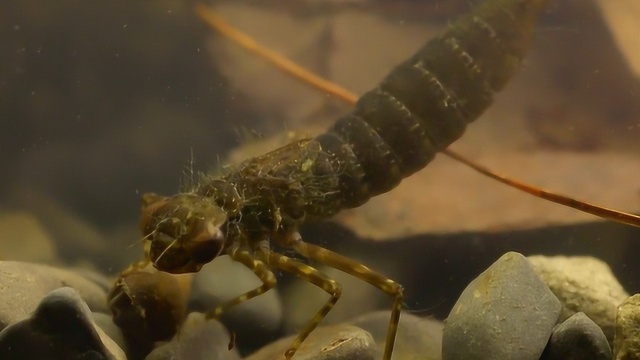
{"type": "Point", "coordinates": [418, 110]}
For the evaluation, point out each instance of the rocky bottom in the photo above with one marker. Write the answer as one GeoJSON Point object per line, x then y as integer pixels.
{"type": "Point", "coordinates": [518, 308]}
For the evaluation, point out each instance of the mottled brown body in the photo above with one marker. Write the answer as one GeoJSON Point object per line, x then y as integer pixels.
{"type": "Point", "coordinates": [420, 108]}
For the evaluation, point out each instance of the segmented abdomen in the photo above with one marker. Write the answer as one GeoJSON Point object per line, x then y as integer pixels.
{"type": "Point", "coordinates": [425, 103]}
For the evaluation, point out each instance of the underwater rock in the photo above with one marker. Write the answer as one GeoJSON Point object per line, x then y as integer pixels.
{"type": "Point", "coordinates": [507, 312]}
{"type": "Point", "coordinates": [621, 18]}
{"type": "Point", "coordinates": [417, 338]}
{"type": "Point", "coordinates": [24, 285]}
{"type": "Point", "coordinates": [577, 338]}
{"type": "Point", "coordinates": [25, 239]}
{"type": "Point", "coordinates": [224, 279]}
{"type": "Point", "coordinates": [337, 342]}
{"type": "Point", "coordinates": [95, 276]}
{"type": "Point", "coordinates": [582, 283]}
{"type": "Point", "coordinates": [75, 237]}
{"type": "Point", "coordinates": [60, 328]}
{"type": "Point", "coordinates": [198, 339]}
{"type": "Point", "coordinates": [626, 345]}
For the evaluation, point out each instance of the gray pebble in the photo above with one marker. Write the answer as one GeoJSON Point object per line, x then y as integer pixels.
{"type": "Point", "coordinates": [224, 279]}
{"type": "Point", "coordinates": [198, 339]}
{"type": "Point", "coordinates": [417, 338]}
{"type": "Point", "coordinates": [626, 345]}
{"type": "Point", "coordinates": [25, 239]}
{"type": "Point", "coordinates": [585, 284]}
{"type": "Point", "coordinates": [60, 328]}
{"type": "Point", "coordinates": [337, 342]}
{"type": "Point", "coordinates": [577, 338]}
{"type": "Point", "coordinates": [96, 277]}
{"type": "Point", "coordinates": [24, 284]}
{"type": "Point", "coordinates": [507, 312]}
{"type": "Point", "coordinates": [74, 235]}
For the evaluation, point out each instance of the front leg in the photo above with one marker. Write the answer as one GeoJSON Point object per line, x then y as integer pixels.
{"type": "Point", "coordinates": [354, 268]}
{"type": "Point", "coordinates": [313, 276]}
{"type": "Point", "coordinates": [259, 268]}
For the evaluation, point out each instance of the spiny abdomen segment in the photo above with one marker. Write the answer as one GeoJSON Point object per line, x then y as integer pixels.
{"type": "Point", "coordinates": [425, 103]}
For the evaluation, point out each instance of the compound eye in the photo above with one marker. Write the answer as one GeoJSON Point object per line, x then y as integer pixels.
{"type": "Point", "coordinates": [205, 241]}
{"type": "Point", "coordinates": [166, 256]}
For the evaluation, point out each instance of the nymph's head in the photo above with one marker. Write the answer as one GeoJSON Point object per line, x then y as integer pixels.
{"type": "Point", "coordinates": [182, 232]}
